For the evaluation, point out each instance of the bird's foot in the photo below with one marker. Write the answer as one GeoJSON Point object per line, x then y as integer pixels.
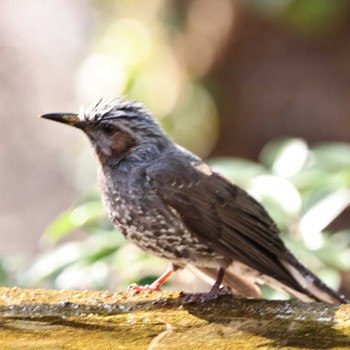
{"type": "Point", "coordinates": [156, 285]}
{"type": "Point", "coordinates": [214, 293]}
{"type": "Point", "coordinates": [134, 288]}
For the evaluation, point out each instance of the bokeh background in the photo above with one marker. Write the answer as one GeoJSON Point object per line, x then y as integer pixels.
{"type": "Point", "coordinates": [259, 88]}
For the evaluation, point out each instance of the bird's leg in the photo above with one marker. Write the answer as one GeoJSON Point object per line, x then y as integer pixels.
{"type": "Point", "coordinates": [215, 291]}
{"type": "Point", "coordinates": [157, 284]}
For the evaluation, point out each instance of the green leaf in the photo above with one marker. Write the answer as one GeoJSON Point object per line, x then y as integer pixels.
{"type": "Point", "coordinates": [332, 155]}
{"type": "Point", "coordinates": [48, 265]}
{"type": "Point", "coordinates": [102, 244]}
{"type": "Point", "coordinates": [285, 157]}
{"type": "Point", "coordinates": [280, 190]}
{"type": "Point", "coordinates": [319, 216]}
{"type": "Point", "coordinates": [73, 219]}
{"type": "Point", "coordinates": [335, 252]}
{"type": "Point", "coordinates": [316, 18]}
{"type": "Point", "coordinates": [237, 170]}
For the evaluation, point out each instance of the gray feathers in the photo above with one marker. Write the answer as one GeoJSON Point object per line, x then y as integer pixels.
{"type": "Point", "coordinates": [171, 204]}
{"type": "Point", "coordinates": [192, 215]}
{"type": "Point", "coordinates": [107, 109]}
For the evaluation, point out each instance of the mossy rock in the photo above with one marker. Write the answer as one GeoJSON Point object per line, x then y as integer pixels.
{"type": "Point", "coordinates": [46, 319]}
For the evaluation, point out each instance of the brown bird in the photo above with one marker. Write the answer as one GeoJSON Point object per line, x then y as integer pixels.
{"type": "Point", "coordinates": [171, 204]}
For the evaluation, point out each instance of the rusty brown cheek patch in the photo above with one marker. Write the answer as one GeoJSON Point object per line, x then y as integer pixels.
{"type": "Point", "coordinates": [120, 147]}
{"type": "Point", "coordinates": [123, 143]}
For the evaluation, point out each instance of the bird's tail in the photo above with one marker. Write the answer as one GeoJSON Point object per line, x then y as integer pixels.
{"type": "Point", "coordinates": [314, 288]}
{"type": "Point", "coordinates": [244, 282]}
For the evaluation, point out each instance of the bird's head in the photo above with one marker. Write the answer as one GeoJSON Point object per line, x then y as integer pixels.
{"type": "Point", "coordinates": [118, 130]}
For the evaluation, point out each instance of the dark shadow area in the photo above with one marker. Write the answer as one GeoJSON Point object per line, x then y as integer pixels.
{"type": "Point", "coordinates": [44, 323]}
{"type": "Point", "coordinates": [286, 323]}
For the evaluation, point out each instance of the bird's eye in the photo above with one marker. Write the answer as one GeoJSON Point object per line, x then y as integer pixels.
{"type": "Point", "coordinates": [108, 129]}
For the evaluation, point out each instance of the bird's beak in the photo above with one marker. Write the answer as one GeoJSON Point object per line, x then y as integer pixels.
{"type": "Point", "coordinates": [65, 118]}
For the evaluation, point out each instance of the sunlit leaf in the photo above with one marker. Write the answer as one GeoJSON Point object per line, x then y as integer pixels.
{"type": "Point", "coordinates": [285, 157]}
{"type": "Point", "coordinates": [281, 190]}
{"type": "Point", "coordinates": [331, 277]}
{"type": "Point", "coordinates": [332, 155]}
{"type": "Point", "coordinates": [335, 251]}
{"type": "Point", "coordinates": [73, 219]}
{"type": "Point", "coordinates": [321, 215]}
{"type": "Point", "coordinates": [239, 171]}
{"type": "Point", "coordinates": [84, 275]}
{"type": "Point", "coordinates": [102, 244]}
{"type": "Point", "coordinates": [335, 258]}
{"type": "Point", "coordinates": [315, 178]}
{"type": "Point", "coordinates": [51, 263]}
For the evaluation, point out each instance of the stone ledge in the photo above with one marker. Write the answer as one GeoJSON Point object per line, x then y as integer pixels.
{"type": "Point", "coordinates": [46, 319]}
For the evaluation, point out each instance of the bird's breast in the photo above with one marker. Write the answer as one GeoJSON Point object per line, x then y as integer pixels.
{"type": "Point", "coordinates": [144, 219]}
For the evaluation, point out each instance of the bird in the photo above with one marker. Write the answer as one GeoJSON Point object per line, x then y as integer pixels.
{"type": "Point", "coordinates": [171, 204]}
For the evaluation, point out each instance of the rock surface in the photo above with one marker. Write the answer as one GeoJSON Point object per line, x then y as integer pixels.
{"type": "Point", "coordinates": [45, 319]}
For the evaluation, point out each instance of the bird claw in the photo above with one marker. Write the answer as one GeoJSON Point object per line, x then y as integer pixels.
{"type": "Point", "coordinates": [135, 289]}
{"type": "Point", "coordinates": [204, 297]}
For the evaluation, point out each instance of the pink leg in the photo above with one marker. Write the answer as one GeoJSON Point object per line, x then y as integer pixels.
{"type": "Point", "coordinates": [157, 284]}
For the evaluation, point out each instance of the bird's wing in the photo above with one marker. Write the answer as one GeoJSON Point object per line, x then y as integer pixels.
{"type": "Point", "coordinates": [224, 216]}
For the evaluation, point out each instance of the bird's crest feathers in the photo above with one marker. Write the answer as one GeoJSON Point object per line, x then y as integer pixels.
{"type": "Point", "coordinates": [107, 109]}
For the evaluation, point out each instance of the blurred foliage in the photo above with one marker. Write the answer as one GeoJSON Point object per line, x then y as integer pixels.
{"type": "Point", "coordinates": [304, 190]}
{"type": "Point", "coordinates": [149, 52]}
{"type": "Point", "coordinates": [315, 19]}
{"type": "Point", "coordinates": [159, 52]}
